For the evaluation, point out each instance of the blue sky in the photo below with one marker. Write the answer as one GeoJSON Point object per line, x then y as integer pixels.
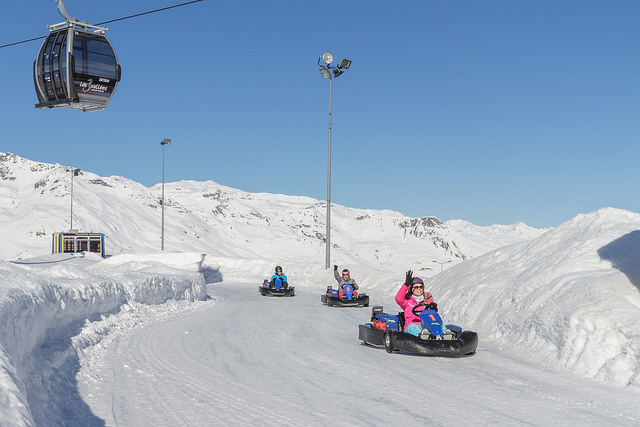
{"type": "Point", "coordinates": [494, 112]}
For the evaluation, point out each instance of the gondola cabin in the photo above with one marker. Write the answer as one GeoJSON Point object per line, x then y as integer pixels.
{"type": "Point", "coordinates": [76, 67]}
{"type": "Point", "coordinates": [72, 242]}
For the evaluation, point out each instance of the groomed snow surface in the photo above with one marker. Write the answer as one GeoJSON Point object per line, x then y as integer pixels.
{"type": "Point", "coordinates": [186, 339]}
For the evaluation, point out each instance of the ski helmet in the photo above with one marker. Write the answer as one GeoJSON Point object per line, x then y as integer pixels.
{"type": "Point", "coordinates": [345, 271]}
{"type": "Point", "coordinates": [278, 268]}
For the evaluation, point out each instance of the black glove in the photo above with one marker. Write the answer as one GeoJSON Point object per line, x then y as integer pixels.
{"type": "Point", "coordinates": [335, 267]}
{"type": "Point", "coordinates": [407, 281]}
{"type": "Point", "coordinates": [409, 278]}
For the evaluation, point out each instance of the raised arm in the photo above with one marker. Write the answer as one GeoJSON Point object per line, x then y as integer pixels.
{"type": "Point", "coordinates": [404, 293]}
{"type": "Point", "coordinates": [336, 274]}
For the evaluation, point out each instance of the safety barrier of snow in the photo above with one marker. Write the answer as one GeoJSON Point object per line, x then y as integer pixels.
{"type": "Point", "coordinates": [44, 303]}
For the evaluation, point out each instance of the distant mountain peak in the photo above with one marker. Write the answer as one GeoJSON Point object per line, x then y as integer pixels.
{"type": "Point", "coordinates": [211, 218]}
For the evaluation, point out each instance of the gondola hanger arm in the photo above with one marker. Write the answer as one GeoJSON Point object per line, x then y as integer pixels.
{"type": "Point", "coordinates": [63, 11]}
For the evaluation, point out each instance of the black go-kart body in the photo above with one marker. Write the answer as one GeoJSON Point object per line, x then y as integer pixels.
{"type": "Point", "coordinates": [387, 330]}
{"type": "Point", "coordinates": [276, 289]}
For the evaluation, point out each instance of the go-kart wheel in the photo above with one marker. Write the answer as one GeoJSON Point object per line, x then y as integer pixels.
{"type": "Point", "coordinates": [387, 343]}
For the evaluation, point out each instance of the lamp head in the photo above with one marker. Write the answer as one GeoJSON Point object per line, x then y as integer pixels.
{"type": "Point", "coordinates": [325, 73]}
{"type": "Point", "coordinates": [327, 57]}
{"type": "Point", "coordinates": [344, 63]}
{"type": "Point", "coordinates": [165, 142]}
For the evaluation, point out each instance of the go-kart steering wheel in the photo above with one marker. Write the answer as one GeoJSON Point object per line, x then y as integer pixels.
{"type": "Point", "coordinates": [415, 310]}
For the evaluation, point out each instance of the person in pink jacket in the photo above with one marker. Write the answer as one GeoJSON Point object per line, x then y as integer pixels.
{"type": "Point", "coordinates": [410, 294]}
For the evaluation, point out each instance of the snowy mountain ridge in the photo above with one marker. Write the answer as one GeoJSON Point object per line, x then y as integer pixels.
{"type": "Point", "coordinates": [221, 221]}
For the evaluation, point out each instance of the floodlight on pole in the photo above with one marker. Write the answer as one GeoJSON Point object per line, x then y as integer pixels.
{"type": "Point", "coordinates": [329, 72]}
{"type": "Point", "coordinates": [344, 63]}
{"type": "Point", "coordinates": [163, 143]}
{"type": "Point", "coordinates": [327, 57]}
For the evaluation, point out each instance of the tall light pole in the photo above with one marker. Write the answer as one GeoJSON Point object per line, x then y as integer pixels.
{"type": "Point", "coordinates": [74, 172]}
{"type": "Point", "coordinates": [163, 143]}
{"type": "Point", "coordinates": [329, 72]}
{"type": "Point", "coordinates": [442, 264]}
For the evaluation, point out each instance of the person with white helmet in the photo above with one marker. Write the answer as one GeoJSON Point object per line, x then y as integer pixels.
{"type": "Point", "coordinates": [344, 279]}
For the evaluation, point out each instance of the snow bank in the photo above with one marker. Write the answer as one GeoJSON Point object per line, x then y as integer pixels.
{"type": "Point", "coordinates": [569, 298]}
{"type": "Point", "coordinates": [44, 302]}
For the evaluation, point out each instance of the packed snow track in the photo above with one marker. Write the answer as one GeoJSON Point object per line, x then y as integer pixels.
{"type": "Point", "coordinates": [246, 359]}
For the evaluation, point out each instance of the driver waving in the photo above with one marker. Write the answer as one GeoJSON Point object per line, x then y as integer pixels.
{"type": "Point", "coordinates": [410, 295]}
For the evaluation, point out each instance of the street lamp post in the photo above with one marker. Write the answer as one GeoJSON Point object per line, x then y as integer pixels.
{"type": "Point", "coordinates": [163, 143]}
{"type": "Point", "coordinates": [329, 72]}
{"type": "Point", "coordinates": [74, 172]}
{"type": "Point", "coordinates": [442, 264]}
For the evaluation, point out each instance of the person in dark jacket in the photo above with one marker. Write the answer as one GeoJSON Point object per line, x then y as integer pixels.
{"type": "Point", "coordinates": [278, 275]}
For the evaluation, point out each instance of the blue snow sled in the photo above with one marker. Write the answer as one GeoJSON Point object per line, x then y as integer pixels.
{"type": "Point", "coordinates": [435, 340]}
{"type": "Point", "coordinates": [277, 288]}
{"type": "Point", "coordinates": [349, 297]}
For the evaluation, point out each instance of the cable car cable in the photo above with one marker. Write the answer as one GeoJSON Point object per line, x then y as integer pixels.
{"type": "Point", "coordinates": [146, 13]}
{"type": "Point", "coordinates": [113, 20]}
{"type": "Point", "coordinates": [23, 41]}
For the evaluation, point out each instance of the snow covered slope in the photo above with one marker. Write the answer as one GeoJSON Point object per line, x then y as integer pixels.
{"type": "Point", "coordinates": [564, 301]}
{"type": "Point", "coordinates": [35, 202]}
{"type": "Point", "coordinates": [569, 298]}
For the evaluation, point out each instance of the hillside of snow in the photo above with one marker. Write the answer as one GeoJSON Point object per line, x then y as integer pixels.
{"type": "Point", "coordinates": [565, 299]}
{"type": "Point", "coordinates": [569, 298]}
{"type": "Point", "coordinates": [35, 202]}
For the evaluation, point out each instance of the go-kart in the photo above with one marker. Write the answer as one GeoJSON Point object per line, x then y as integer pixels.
{"type": "Point", "coordinates": [277, 289]}
{"type": "Point", "coordinates": [435, 339]}
{"type": "Point", "coordinates": [348, 297]}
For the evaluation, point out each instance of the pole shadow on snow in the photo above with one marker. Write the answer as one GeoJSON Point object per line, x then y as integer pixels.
{"type": "Point", "coordinates": [211, 275]}
{"type": "Point", "coordinates": [623, 255]}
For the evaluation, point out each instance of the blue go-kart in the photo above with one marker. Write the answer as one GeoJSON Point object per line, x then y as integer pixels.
{"type": "Point", "coordinates": [436, 339]}
{"type": "Point", "coordinates": [349, 297]}
{"type": "Point", "coordinates": [277, 288]}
